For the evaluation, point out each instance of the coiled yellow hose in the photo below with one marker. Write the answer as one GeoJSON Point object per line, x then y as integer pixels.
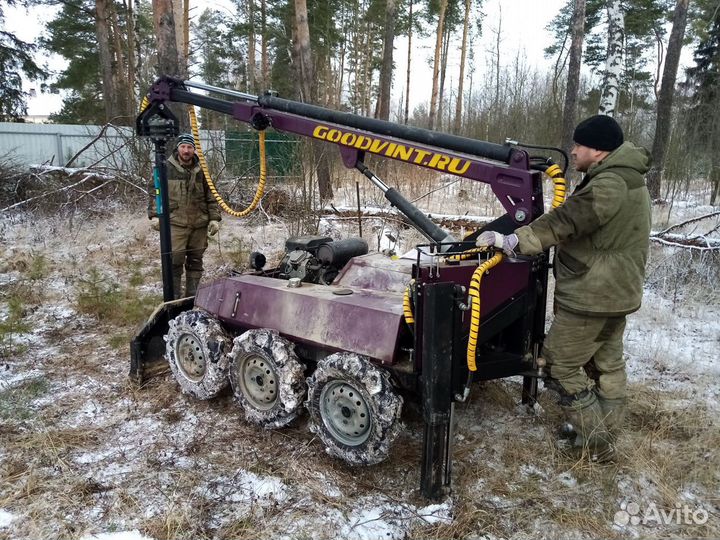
{"type": "Point", "coordinates": [407, 304]}
{"type": "Point", "coordinates": [559, 185]}
{"type": "Point", "coordinates": [474, 294]}
{"type": "Point", "coordinates": [203, 165]}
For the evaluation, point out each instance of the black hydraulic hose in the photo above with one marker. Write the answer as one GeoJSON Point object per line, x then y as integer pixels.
{"type": "Point", "coordinates": [540, 147]}
{"type": "Point", "coordinates": [497, 152]}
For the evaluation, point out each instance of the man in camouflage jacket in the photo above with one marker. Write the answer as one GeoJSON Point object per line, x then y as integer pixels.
{"type": "Point", "coordinates": [601, 238]}
{"type": "Point", "coordinates": [194, 215]}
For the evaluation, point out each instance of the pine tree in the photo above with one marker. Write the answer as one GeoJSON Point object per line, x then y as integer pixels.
{"type": "Point", "coordinates": [128, 46]}
{"type": "Point", "coordinates": [703, 120]}
{"type": "Point", "coordinates": [72, 35]}
{"type": "Point", "coordinates": [16, 60]}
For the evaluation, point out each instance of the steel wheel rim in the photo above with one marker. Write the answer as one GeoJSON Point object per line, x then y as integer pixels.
{"type": "Point", "coordinates": [258, 382]}
{"type": "Point", "coordinates": [345, 413]}
{"type": "Point", "coordinates": [190, 357]}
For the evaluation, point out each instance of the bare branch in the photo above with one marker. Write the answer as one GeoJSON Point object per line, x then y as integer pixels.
{"type": "Point", "coordinates": [687, 222]}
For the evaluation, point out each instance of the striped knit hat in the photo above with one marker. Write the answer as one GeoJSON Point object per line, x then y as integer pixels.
{"type": "Point", "coordinates": [185, 138]}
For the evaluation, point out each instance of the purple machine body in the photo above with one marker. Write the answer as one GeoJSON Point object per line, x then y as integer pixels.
{"type": "Point", "coordinates": [361, 311]}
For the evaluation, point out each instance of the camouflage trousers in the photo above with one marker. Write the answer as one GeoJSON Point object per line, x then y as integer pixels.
{"type": "Point", "coordinates": [583, 352]}
{"type": "Point", "coordinates": [188, 246]}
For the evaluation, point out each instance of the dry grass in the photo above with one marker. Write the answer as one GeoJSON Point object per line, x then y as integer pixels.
{"type": "Point", "coordinates": [84, 451]}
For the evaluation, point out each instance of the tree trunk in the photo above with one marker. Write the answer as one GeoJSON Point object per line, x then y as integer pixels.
{"type": "Point", "coordinates": [102, 31]}
{"type": "Point", "coordinates": [436, 64]}
{"type": "Point", "coordinates": [129, 13]}
{"type": "Point", "coordinates": [120, 72]}
{"type": "Point", "coordinates": [443, 73]}
{"type": "Point", "coordinates": [386, 72]}
{"type": "Point", "coordinates": [307, 86]}
{"type": "Point", "coordinates": [461, 80]}
{"type": "Point", "coordinates": [498, 42]}
{"type": "Point", "coordinates": [178, 10]}
{"type": "Point", "coordinates": [340, 79]}
{"type": "Point", "coordinates": [168, 54]}
{"type": "Point", "coordinates": [409, 55]}
{"type": "Point", "coordinates": [264, 66]}
{"type": "Point", "coordinates": [573, 80]}
{"type": "Point", "coordinates": [613, 63]}
{"type": "Point", "coordinates": [665, 98]}
{"type": "Point", "coordinates": [304, 52]}
{"type": "Point", "coordinates": [251, 47]}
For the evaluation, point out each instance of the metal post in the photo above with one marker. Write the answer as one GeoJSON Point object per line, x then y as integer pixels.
{"type": "Point", "coordinates": [438, 303]}
{"type": "Point", "coordinates": [163, 205]}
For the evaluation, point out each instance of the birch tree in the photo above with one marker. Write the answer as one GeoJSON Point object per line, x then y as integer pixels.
{"type": "Point", "coordinates": [610, 88]}
{"type": "Point", "coordinates": [666, 96]}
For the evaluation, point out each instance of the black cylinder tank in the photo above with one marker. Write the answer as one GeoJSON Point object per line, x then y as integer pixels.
{"type": "Point", "coordinates": [339, 252]}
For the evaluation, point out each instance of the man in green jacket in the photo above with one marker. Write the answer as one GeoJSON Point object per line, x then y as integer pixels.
{"type": "Point", "coordinates": [194, 215]}
{"type": "Point", "coordinates": [601, 238]}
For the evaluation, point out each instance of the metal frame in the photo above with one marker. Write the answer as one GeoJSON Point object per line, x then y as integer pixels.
{"type": "Point", "coordinates": [515, 305]}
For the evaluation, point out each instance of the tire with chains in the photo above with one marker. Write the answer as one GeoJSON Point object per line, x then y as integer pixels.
{"type": "Point", "coordinates": [197, 347]}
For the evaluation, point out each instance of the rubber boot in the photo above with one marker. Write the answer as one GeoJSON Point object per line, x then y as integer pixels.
{"type": "Point", "coordinates": [191, 283]}
{"type": "Point", "coordinates": [584, 412]}
{"type": "Point", "coordinates": [613, 414]}
{"type": "Point", "coordinates": [177, 285]}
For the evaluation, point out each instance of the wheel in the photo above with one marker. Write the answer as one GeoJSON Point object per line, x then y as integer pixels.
{"type": "Point", "coordinates": [196, 348]}
{"type": "Point", "coordinates": [267, 378]}
{"type": "Point", "coordinates": [354, 408]}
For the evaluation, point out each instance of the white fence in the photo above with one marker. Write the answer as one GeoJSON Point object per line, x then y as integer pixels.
{"type": "Point", "coordinates": [34, 144]}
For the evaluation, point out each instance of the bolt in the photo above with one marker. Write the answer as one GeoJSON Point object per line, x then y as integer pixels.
{"type": "Point", "coordinates": [520, 215]}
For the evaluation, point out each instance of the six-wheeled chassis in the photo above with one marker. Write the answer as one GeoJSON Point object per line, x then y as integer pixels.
{"type": "Point", "coordinates": [356, 328]}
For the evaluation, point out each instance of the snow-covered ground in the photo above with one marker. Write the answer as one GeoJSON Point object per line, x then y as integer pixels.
{"type": "Point", "coordinates": [85, 454]}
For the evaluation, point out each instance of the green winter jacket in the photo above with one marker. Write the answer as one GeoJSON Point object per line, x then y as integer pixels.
{"type": "Point", "coordinates": [602, 237]}
{"type": "Point", "coordinates": [191, 202]}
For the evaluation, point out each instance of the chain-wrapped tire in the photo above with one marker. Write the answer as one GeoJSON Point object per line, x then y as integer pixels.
{"type": "Point", "coordinates": [267, 378]}
{"type": "Point", "coordinates": [354, 408]}
{"type": "Point", "coordinates": [196, 347]}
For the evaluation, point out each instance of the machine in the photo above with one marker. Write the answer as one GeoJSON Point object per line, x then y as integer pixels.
{"type": "Point", "coordinates": [348, 335]}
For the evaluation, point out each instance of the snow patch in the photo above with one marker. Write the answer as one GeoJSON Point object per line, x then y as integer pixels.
{"type": "Point", "coordinates": [6, 518]}
{"type": "Point", "coordinates": [129, 535]}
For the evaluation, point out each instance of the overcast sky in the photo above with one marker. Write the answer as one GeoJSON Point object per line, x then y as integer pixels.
{"type": "Point", "coordinates": [522, 28]}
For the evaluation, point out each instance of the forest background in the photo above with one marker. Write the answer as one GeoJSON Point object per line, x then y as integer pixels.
{"type": "Point", "coordinates": [341, 54]}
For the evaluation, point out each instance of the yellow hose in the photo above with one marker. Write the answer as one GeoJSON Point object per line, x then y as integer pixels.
{"type": "Point", "coordinates": [203, 164]}
{"type": "Point", "coordinates": [559, 185]}
{"type": "Point", "coordinates": [407, 305]}
{"type": "Point", "coordinates": [474, 294]}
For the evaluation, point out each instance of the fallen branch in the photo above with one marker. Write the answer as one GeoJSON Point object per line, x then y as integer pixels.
{"type": "Point", "coordinates": [86, 174]}
{"type": "Point", "coordinates": [687, 222]}
{"type": "Point", "coordinates": [449, 221]}
{"type": "Point", "coordinates": [47, 194]}
{"type": "Point", "coordinates": [699, 243]}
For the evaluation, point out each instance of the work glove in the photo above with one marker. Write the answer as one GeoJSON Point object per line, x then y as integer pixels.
{"type": "Point", "coordinates": [155, 223]}
{"type": "Point", "coordinates": [491, 238]}
{"type": "Point", "coordinates": [213, 228]}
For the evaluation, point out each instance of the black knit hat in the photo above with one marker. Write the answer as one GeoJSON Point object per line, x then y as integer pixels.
{"type": "Point", "coordinates": [599, 132]}
{"type": "Point", "coordinates": [185, 138]}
